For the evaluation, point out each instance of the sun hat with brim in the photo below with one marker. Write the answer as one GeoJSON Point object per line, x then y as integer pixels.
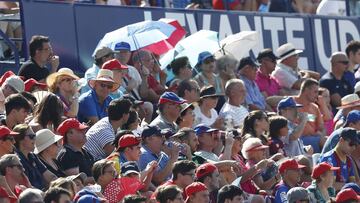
{"type": "Point", "coordinates": [208, 91]}
{"type": "Point", "coordinates": [347, 195]}
{"type": "Point", "coordinates": [287, 50]}
{"type": "Point", "coordinates": [350, 100]}
{"type": "Point", "coordinates": [44, 139]}
{"type": "Point", "coordinates": [290, 164]}
{"type": "Point", "coordinates": [51, 79]}
{"type": "Point", "coordinates": [104, 75]}
{"type": "Point", "coordinates": [193, 188]}
{"type": "Point", "coordinates": [186, 106]}
{"type": "Point", "coordinates": [321, 169]}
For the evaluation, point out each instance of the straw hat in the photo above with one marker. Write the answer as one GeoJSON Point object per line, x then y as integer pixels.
{"type": "Point", "coordinates": [349, 100]}
{"type": "Point", "coordinates": [287, 50]}
{"type": "Point", "coordinates": [51, 79]}
{"type": "Point", "coordinates": [44, 139]}
{"type": "Point", "coordinates": [105, 75]}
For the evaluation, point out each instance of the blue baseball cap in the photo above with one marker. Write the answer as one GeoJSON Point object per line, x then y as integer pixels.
{"type": "Point", "coordinates": [287, 102]}
{"type": "Point", "coordinates": [353, 186]}
{"type": "Point", "coordinates": [122, 46]}
{"type": "Point", "coordinates": [247, 61]}
{"type": "Point", "coordinates": [203, 56]}
{"type": "Point", "coordinates": [352, 117]}
{"type": "Point", "coordinates": [150, 131]}
{"type": "Point", "coordinates": [170, 97]}
{"type": "Point", "coordinates": [202, 128]}
{"type": "Point", "coordinates": [85, 195]}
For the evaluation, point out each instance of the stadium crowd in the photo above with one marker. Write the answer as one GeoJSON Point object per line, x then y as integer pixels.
{"type": "Point", "coordinates": [256, 131]}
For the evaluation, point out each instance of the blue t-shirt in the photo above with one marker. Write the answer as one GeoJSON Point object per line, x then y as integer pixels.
{"type": "Point", "coordinates": [281, 192]}
{"type": "Point", "coordinates": [332, 141]}
{"type": "Point", "coordinates": [148, 156]}
{"type": "Point", "coordinates": [89, 106]}
{"type": "Point", "coordinates": [346, 171]}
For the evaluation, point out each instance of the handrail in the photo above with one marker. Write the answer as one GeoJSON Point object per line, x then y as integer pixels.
{"type": "Point", "coordinates": [12, 46]}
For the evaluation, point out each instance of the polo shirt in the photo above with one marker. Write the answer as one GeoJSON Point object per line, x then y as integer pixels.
{"type": "Point", "coordinates": [267, 83]}
{"type": "Point", "coordinates": [236, 113]}
{"type": "Point", "coordinates": [69, 158]}
{"type": "Point", "coordinates": [30, 69]}
{"type": "Point", "coordinates": [253, 94]}
{"type": "Point", "coordinates": [345, 171]}
{"type": "Point", "coordinates": [286, 77]}
{"type": "Point", "coordinates": [89, 106]}
{"type": "Point", "coordinates": [34, 169]}
{"type": "Point", "coordinates": [148, 156]}
{"type": "Point", "coordinates": [100, 134]}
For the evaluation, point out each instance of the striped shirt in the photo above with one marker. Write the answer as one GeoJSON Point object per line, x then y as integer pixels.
{"type": "Point", "coordinates": [98, 136]}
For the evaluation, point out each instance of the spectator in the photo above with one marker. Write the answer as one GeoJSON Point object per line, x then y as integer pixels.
{"type": "Point", "coordinates": [86, 196]}
{"type": "Point", "coordinates": [31, 195]}
{"type": "Point", "coordinates": [152, 142]}
{"type": "Point", "coordinates": [335, 80]}
{"type": "Point", "coordinates": [94, 103]}
{"type": "Point", "coordinates": [47, 147]}
{"type": "Point", "coordinates": [233, 110]}
{"type": "Point", "coordinates": [65, 183]}
{"type": "Point", "coordinates": [205, 113]}
{"type": "Point", "coordinates": [209, 175]}
{"type": "Point", "coordinates": [17, 109]}
{"type": "Point", "coordinates": [5, 197]}
{"type": "Point", "coordinates": [352, 52]}
{"type": "Point", "coordinates": [79, 181]}
{"type": "Point", "coordinates": [348, 103]}
{"type": "Point", "coordinates": [332, 8]}
{"type": "Point", "coordinates": [101, 135]}
{"type": "Point", "coordinates": [230, 193]}
{"type": "Point", "coordinates": [187, 138]}
{"type": "Point", "coordinates": [119, 70]}
{"type": "Point", "coordinates": [353, 186]}
{"type": "Point", "coordinates": [267, 84]}
{"type": "Point", "coordinates": [326, 110]}
{"type": "Point", "coordinates": [12, 85]}
{"type": "Point", "coordinates": [41, 54]}
{"type": "Point", "coordinates": [57, 195]}
{"type": "Point", "coordinates": [189, 90]}
{"type": "Point", "coordinates": [290, 173]}
{"type": "Point", "coordinates": [278, 131]}
{"type": "Point", "coordinates": [73, 157]}
{"type": "Point", "coordinates": [130, 169]}
{"type": "Point", "coordinates": [39, 176]}
{"type": "Point", "coordinates": [340, 157]}
{"type": "Point", "coordinates": [7, 141]}
{"type": "Point", "coordinates": [48, 113]}
{"type": "Point", "coordinates": [347, 196]}
{"type": "Point", "coordinates": [169, 111]}
{"type": "Point", "coordinates": [197, 192]}
{"type": "Point", "coordinates": [133, 122]}
{"type": "Point", "coordinates": [226, 66]}
{"type": "Point", "coordinates": [183, 174]}
{"type": "Point", "coordinates": [170, 193]}
{"type": "Point", "coordinates": [104, 172]}
{"type": "Point", "coordinates": [187, 117]}
{"type": "Point", "coordinates": [63, 83]}
{"type": "Point", "coordinates": [298, 194]}
{"type": "Point", "coordinates": [181, 69]}
{"type": "Point", "coordinates": [247, 73]}
{"type": "Point", "coordinates": [321, 189]}
{"type": "Point", "coordinates": [255, 125]}
{"type": "Point", "coordinates": [314, 132]}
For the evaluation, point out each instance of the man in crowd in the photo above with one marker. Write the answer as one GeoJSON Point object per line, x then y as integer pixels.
{"type": "Point", "coordinates": [41, 54]}
{"type": "Point", "coordinates": [209, 175]}
{"type": "Point", "coordinates": [183, 174]}
{"type": "Point", "coordinates": [7, 141]}
{"type": "Point", "coordinates": [189, 90]}
{"type": "Point", "coordinates": [187, 136]}
{"type": "Point", "coordinates": [12, 85]}
{"type": "Point", "coordinates": [73, 157]}
{"type": "Point", "coordinates": [353, 53]}
{"type": "Point", "coordinates": [17, 109]}
{"type": "Point", "coordinates": [233, 109]}
{"type": "Point", "coordinates": [197, 192]}
{"type": "Point", "coordinates": [348, 103]}
{"type": "Point", "coordinates": [101, 135]}
{"type": "Point", "coordinates": [335, 81]}
{"type": "Point", "coordinates": [181, 69]}
{"type": "Point", "coordinates": [118, 70]}
{"type": "Point", "coordinates": [229, 194]}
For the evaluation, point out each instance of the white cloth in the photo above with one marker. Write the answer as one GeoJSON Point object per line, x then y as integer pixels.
{"type": "Point", "coordinates": [286, 77]}
{"type": "Point", "coordinates": [331, 7]}
{"type": "Point", "coordinates": [237, 115]}
{"type": "Point", "coordinates": [201, 118]}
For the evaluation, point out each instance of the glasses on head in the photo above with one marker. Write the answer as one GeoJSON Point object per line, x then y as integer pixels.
{"type": "Point", "coordinates": [209, 60]}
{"type": "Point", "coordinates": [8, 137]}
{"type": "Point", "coordinates": [108, 86]}
{"type": "Point", "coordinates": [344, 62]}
{"type": "Point", "coordinates": [31, 136]}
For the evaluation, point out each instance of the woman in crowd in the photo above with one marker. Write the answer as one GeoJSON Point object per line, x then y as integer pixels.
{"type": "Point", "coordinates": [132, 123]}
{"type": "Point", "coordinates": [278, 132]}
{"type": "Point", "coordinates": [169, 194]}
{"type": "Point", "coordinates": [47, 147]}
{"type": "Point", "coordinates": [65, 183]}
{"type": "Point", "coordinates": [48, 114]}
{"type": "Point", "coordinates": [255, 125]}
{"type": "Point", "coordinates": [186, 118]}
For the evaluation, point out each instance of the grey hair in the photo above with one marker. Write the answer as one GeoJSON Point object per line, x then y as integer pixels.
{"type": "Point", "coordinates": [226, 60]}
{"type": "Point", "coordinates": [29, 194]}
{"type": "Point", "coordinates": [231, 83]}
{"type": "Point", "coordinates": [139, 55]}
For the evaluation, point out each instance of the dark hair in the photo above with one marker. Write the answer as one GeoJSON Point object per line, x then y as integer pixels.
{"type": "Point", "coordinates": [169, 192]}
{"type": "Point", "coordinates": [21, 129]}
{"type": "Point", "coordinates": [228, 192]}
{"type": "Point", "coordinates": [182, 114]}
{"type": "Point", "coordinates": [184, 85]}
{"type": "Point", "coordinates": [50, 109]}
{"type": "Point", "coordinates": [133, 199]}
{"type": "Point", "coordinates": [178, 64]}
{"type": "Point", "coordinates": [133, 117]}
{"type": "Point", "coordinates": [353, 46]}
{"type": "Point", "coordinates": [308, 83]}
{"type": "Point", "coordinates": [249, 122]}
{"type": "Point", "coordinates": [36, 43]}
{"type": "Point", "coordinates": [99, 167]}
{"type": "Point", "coordinates": [54, 194]}
{"type": "Point", "coordinates": [182, 167]}
{"type": "Point", "coordinates": [118, 135]}
{"type": "Point", "coordinates": [29, 97]}
{"type": "Point", "coordinates": [117, 108]}
{"type": "Point", "coordinates": [275, 124]}
{"type": "Point", "coordinates": [17, 102]}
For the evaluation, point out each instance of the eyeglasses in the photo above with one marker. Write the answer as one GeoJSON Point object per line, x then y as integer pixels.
{"type": "Point", "coordinates": [31, 136]}
{"type": "Point", "coordinates": [103, 85]}
{"type": "Point", "coordinates": [344, 62]}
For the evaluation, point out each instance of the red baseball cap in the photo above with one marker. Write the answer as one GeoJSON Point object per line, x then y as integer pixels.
{"type": "Point", "coordinates": [31, 82]}
{"type": "Point", "coordinates": [128, 140]}
{"type": "Point", "coordinates": [205, 169]}
{"type": "Point", "coordinates": [194, 188]}
{"type": "Point", "coordinates": [6, 131]}
{"type": "Point", "coordinates": [347, 194]}
{"type": "Point", "coordinates": [68, 124]}
{"type": "Point", "coordinates": [113, 64]}
{"type": "Point", "coordinates": [321, 169]}
{"type": "Point", "coordinates": [257, 147]}
{"type": "Point", "coordinates": [290, 164]}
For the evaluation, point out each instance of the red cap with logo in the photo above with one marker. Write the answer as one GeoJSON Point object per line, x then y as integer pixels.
{"type": "Point", "coordinates": [128, 140]}
{"type": "Point", "coordinates": [4, 131]}
{"type": "Point", "coordinates": [346, 195]}
{"type": "Point", "coordinates": [321, 169]}
{"type": "Point", "coordinates": [68, 124]}
{"type": "Point", "coordinates": [194, 188]}
{"type": "Point", "coordinates": [290, 164]}
{"type": "Point", "coordinates": [205, 169]}
{"type": "Point", "coordinates": [113, 64]}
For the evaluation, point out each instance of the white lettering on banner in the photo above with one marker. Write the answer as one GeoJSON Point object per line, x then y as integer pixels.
{"type": "Point", "coordinates": [206, 22]}
{"type": "Point", "coordinates": [190, 18]}
{"type": "Point", "coordinates": [347, 27]}
{"type": "Point", "coordinates": [147, 15]}
{"type": "Point", "coordinates": [296, 24]}
{"type": "Point", "coordinates": [225, 27]}
{"type": "Point", "coordinates": [245, 26]}
{"type": "Point", "coordinates": [178, 16]}
{"type": "Point", "coordinates": [274, 24]}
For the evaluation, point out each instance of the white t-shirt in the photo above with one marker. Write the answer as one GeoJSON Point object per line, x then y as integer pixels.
{"type": "Point", "coordinates": [332, 7]}
{"type": "Point", "coordinates": [201, 118]}
{"type": "Point", "coordinates": [237, 114]}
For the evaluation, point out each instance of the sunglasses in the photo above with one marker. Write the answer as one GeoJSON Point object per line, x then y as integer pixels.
{"type": "Point", "coordinates": [31, 136]}
{"type": "Point", "coordinates": [103, 85]}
